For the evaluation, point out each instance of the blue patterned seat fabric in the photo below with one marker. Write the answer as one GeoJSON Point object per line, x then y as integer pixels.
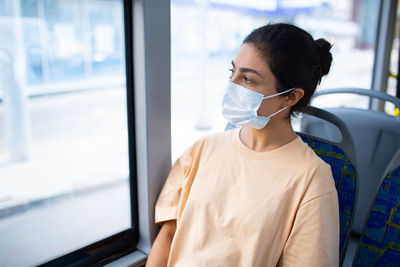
{"type": "Point", "coordinates": [344, 174]}
{"type": "Point", "coordinates": [380, 240]}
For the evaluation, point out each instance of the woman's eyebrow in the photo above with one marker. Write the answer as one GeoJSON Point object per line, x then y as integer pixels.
{"type": "Point", "coordinates": [248, 70]}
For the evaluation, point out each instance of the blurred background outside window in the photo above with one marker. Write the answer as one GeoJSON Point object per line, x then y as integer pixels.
{"type": "Point", "coordinates": [64, 163]}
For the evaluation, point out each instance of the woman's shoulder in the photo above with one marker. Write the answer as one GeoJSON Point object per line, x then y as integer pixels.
{"type": "Point", "coordinates": [320, 175]}
{"type": "Point", "coordinates": [309, 157]}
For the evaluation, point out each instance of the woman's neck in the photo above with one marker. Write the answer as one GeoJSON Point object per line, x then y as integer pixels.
{"type": "Point", "coordinates": [273, 136]}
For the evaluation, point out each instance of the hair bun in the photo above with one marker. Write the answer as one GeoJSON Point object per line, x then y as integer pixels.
{"type": "Point", "coordinates": [325, 56]}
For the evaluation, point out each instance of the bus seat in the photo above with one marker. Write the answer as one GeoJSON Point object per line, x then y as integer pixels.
{"type": "Point", "coordinates": [380, 241]}
{"type": "Point", "coordinates": [340, 156]}
{"type": "Point", "coordinates": [376, 138]}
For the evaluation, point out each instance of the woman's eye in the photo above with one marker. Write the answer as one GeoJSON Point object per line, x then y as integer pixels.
{"type": "Point", "coordinates": [244, 78]}
{"type": "Point", "coordinates": [247, 79]}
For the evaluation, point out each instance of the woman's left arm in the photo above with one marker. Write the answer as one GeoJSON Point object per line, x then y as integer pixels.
{"type": "Point", "coordinates": [314, 238]}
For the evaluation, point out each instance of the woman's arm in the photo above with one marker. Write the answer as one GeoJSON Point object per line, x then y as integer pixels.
{"type": "Point", "coordinates": [160, 250]}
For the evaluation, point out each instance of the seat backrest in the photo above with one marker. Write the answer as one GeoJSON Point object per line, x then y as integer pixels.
{"type": "Point", "coordinates": [341, 157]}
{"type": "Point", "coordinates": [380, 240]}
{"type": "Point", "coordinates": [376, 138]}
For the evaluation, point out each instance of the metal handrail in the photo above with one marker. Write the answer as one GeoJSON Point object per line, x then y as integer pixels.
{"type": "Point", "coordinates": [360, 91]}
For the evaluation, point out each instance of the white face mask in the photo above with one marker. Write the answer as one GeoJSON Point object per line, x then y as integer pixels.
{"type": "Point", "coordinates": [240, 106]}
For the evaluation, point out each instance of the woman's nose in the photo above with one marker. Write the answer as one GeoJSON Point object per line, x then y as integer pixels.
{"type": "Point", "coordinates": [234, 79]}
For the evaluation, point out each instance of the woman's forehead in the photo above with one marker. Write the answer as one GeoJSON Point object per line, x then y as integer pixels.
{"type": "Point", "coordinates": [249, 57]}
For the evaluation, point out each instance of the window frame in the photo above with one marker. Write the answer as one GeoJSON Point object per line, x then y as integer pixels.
{"type": "Point", "coordinates": [152, 46]}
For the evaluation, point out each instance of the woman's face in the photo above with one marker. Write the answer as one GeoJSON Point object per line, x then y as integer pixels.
{"type": "Point", "coordinates": [250, 70]}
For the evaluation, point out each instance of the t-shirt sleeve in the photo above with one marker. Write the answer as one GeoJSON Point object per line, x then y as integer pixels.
{"type": "Point", "coordinates": [314, 238]}
{"type": "Point", "coordinates": [170, 198]}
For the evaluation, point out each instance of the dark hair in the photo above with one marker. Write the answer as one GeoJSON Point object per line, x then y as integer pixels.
{"type": "Point", "coordinates": [294, 57]}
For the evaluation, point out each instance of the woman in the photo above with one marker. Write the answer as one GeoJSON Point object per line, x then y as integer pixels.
{"type": "Point", "coordinates": [256, 195]}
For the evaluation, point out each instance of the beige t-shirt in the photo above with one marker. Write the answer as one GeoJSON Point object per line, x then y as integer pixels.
{"type": "Point", "coordinates": [238, 207]}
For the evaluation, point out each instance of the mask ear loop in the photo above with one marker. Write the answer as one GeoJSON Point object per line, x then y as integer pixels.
{"type": "Point", "coordinates": [277, 112]}
{"type": "Point", "coordinates": [281, 93]}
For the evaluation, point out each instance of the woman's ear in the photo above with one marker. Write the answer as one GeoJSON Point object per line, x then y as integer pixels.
{"type": "Point", "coordinates": [294, 97]}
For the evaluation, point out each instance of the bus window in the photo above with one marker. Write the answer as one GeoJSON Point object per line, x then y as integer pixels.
{"type": "Point", "coordinates": [206, 34]}
{"type": "Point", "coordinates": [64, 162]}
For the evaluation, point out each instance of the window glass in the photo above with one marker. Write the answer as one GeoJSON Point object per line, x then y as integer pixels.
{"type": "Point", "coordinates": [206, 34]}
{"type": "Point", "coordinates": [64, 163]}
